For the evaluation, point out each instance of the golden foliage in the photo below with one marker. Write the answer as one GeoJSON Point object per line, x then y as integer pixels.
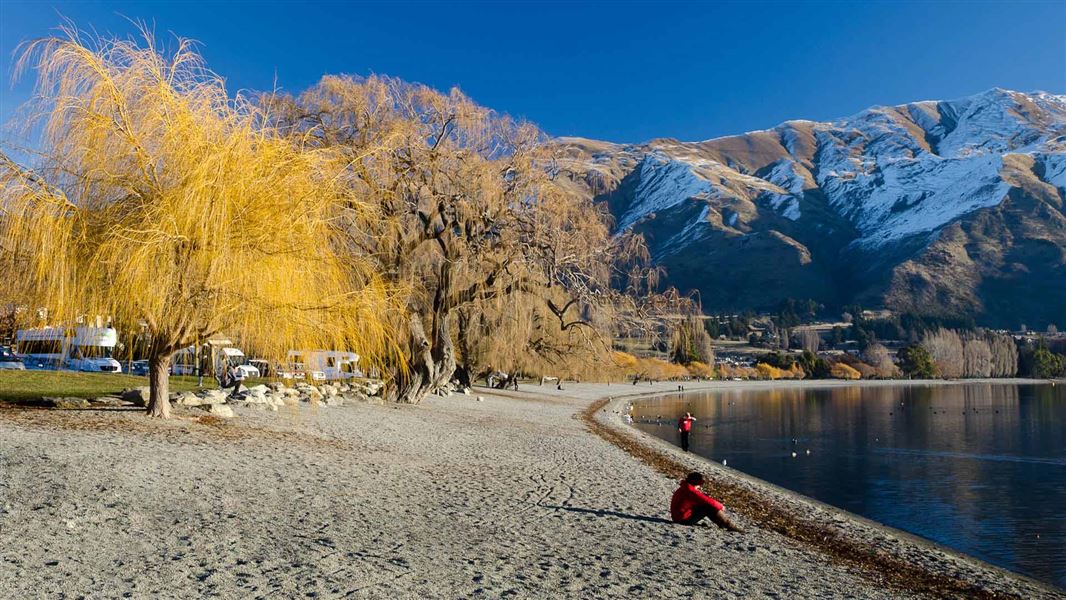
{"type": "Point", "coordinates": [691, 342]}
{"type": "Point", "coordinates": [496, 259]}
{"type": "Point", "coordinates": [654, 368]}
{"type": "Point", "coordinates": [660, 370]}
{"type": "Point", "coordinates": [844, 371]}
{"type": "Point", "coordinates": [699, 369]}
{"type": "Point", "coordinates": [158, 199]}
{"type": "Point", "coordinates": [624, 361]}
{"type": "Point", "coordinates": [726, 371]}
{"type": "Point", "coordinates": [769, 372]}
{"type": "Point", "coordinates": [766, 371]}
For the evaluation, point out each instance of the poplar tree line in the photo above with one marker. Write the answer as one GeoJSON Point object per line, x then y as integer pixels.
{"type": "Point", "coordinates": [972, 354]}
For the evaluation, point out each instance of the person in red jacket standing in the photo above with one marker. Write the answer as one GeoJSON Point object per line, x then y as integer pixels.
{"type": "Point", "coordinates": [690, 505]}
{"type": "Point", "coordinates": [684, 426]}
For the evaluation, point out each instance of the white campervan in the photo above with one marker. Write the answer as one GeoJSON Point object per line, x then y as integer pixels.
{"type": "Point", "coordinates": [187, 360]}
{"type": "Point", "coordinates": [82, 349]}
{"type": "Point", "coordinates": [235, 357]}
{"type": "Point", "coordinates": [325, 365]}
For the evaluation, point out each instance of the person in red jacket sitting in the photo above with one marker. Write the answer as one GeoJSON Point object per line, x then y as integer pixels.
{"type": "Point", "coordinates": [690, 505]}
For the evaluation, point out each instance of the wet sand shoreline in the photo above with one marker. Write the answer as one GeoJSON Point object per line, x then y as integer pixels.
{"type": "Point", "coordinates": [899, 558]}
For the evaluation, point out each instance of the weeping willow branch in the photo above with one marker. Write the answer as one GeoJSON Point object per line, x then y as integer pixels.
{"type": "Point", "coordinates": [158, 198]}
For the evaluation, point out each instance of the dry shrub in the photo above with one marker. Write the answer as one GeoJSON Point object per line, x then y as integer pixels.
{"type": "Point", "coordinates": [880, 362]}
{"type": "Point", "coordinates": [867, 371]}
{"type": "Point", "coordinates": [843, 371]}
{"type": "Point", "coordinates": [766, 371]}
{"type": "Point", "coordinates": [660, 370]}
{"type": "Point", "coordinates": [699, 369]}
{"type": "Point", "coordinates": [736, 371]}
{"type": "Point", "coordinates": [625, 361]}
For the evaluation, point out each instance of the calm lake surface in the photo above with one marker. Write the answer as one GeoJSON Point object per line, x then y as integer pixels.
{"type": "Point", "coordinates": [980, 468]}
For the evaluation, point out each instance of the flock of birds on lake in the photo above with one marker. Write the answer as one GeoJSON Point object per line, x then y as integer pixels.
{"type": "Point", "coordinates": [659, 422]}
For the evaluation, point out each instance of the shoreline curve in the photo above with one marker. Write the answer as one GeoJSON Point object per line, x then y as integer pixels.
{"type": "Point", "coordinates": [892, 557]}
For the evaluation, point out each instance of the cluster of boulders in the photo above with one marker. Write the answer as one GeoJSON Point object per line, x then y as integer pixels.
{"type": "Point", "coordinates": [275, 395]}
{"type": "Point", "coordinates": [220, 403]}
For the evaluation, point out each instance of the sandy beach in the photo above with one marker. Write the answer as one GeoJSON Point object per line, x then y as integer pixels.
{"type": "Point", "coordinates": [512, 496]}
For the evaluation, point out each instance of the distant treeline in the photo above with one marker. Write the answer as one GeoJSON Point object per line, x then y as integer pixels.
{"type": "Point", "coordinates": [906, 326]}
{"type": "Point", "coordinates": [941, 353]}
{"type": "Point", "coordinates": [926, 346]}
{"type": "Point", "coordinates": [793, 313]}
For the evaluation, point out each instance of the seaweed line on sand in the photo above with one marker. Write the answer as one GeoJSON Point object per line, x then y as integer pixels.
{"type": "Point", "coordinates": [881, 566]}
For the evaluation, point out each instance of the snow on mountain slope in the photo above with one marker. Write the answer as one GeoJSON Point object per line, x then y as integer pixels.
{"type": "Point", "coordinates": [663, 183]}
{"type": "Point", "coordinates": [852, 207]}
{"type": "Point", "coordinates": [892, 172]}
{"type": "Point", "coordinates": [1055, 170]}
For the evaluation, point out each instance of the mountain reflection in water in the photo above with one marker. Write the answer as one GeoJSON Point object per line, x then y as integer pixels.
{"type": "Point", "coordinates": [980, 467]}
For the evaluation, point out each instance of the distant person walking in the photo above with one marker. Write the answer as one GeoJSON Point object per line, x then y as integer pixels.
{"type": "Point", "coordinates": [684, 426]}
{"type": "Point", "coordinates": [690, 505]}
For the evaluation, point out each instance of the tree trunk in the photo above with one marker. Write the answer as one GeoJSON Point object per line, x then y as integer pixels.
{"type": "Point", "coordinates": [464, 372]}
{"type": "Point", "coordinates": [432, 363]}
{"type": "Point", "coordinates": [159, 385]}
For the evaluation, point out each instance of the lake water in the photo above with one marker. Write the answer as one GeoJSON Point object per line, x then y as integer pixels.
{"type": "Point", "coordinates": [980, 468]}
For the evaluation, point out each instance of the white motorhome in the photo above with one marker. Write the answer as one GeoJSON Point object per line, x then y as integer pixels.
{"type": "Point", "coordinates": [184, 361]}
{"type": "Point", "coordinates": [235, 357]}
{"type": "Point", "coordinates": [80, 349]}
{"type": "Point", "coordinates": [325, 365]}
{"type": "Point", "coordinates": [214, 353]}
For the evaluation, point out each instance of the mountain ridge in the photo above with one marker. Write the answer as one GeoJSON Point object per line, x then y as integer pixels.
{"type": "Point", "coordinates": [893, 206]}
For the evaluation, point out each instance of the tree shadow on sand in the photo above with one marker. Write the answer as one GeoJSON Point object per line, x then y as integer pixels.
{"type": "Point", "coordinates": [609, 513]}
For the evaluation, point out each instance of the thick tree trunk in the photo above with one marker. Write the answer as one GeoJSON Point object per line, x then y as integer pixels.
{"type": "Point", "coordinates": [432, 363]}
{"type": "Point", "coordinates": [462, 371]}
{"type": "Point", "coordinates": [159, 385]}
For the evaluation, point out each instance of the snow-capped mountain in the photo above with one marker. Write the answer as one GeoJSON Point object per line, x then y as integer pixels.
{"type": "Point", "coordinates": [938, 207]}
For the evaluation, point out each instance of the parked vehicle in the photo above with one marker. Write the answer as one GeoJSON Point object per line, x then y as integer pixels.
{"type": "Point", "coordinates": [234, 356]}
{"type": "Point", "coordinates": [139, 367]}
{"type": "Point", "coordinates": [9, 361]}
{"type": "Point", "coordinates": [291, 370]}
{"type": "Point", "coordinates": [184, 362]}
{"type": "Point", "coordinates": [80, 349]}
{"type": "Point", "coordinates": [214, 355]}
{"type": "Point", "coordinates": [325, 365]}
{"type": "Point", "coordinates": [266, 368]}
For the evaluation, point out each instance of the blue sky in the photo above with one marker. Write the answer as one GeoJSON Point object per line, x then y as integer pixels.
{"type": "Point", "coordinates": [622, 71]}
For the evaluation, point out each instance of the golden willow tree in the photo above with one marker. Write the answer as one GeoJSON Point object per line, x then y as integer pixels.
{"type": "Point", "coordinates": [491, 251]}
{"type": "Point", "coordinates": [160, 202]}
